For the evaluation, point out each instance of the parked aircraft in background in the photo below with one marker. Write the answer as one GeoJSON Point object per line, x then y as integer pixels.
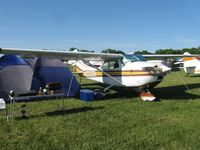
{"type": "Point", "coordinates": [128, 71]}
{"type": "Point", "coordinates": [191, 63]}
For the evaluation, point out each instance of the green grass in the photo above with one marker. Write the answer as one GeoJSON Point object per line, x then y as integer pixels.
{"type": "Point", "coordinates": [116, 122]}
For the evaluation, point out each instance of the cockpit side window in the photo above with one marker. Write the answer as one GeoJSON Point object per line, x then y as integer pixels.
{"type": "Point", "coordinates": [112, 65]}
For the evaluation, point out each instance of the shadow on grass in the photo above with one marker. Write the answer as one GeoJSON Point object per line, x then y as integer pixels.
{"type": "Point", "coordinates": [178, 92]}
{"type": "Point", "coordinates": [114, 92]}
{"type": "Point", "coordinates": [194, 75]}
{"type": "Point", "coordinates": [72, 111]}
{"type": "Point", "coordinates": [93, 86]}
{"type": "Point", "coordinates": [121, 92]}
{"type": "Point", "coordinates": [61, 112]}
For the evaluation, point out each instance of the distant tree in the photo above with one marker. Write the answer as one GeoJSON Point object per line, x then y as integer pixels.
{"type": "Point", "coordinates": [84, 50]}
{"type": "Point", "coordinates": [160, 51]}
{"type": "Point", "coordinates": [164, 51]}
{"type": "Point", "coordinates": [178, 52]}
{"type": "Point", "coordinates": [112, 51]}
{"type": "Point", "coordinates": [171, 51]}
{"type": "Point", "coordinates": [191, 50]}
{"type": "Point", "coordinates": [142, 52]}
{"type": "Point", "coordinates": [72, 49]}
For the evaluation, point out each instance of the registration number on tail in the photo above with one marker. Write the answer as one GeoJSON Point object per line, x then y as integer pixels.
{"type": "Point", "coordinates": [89, 74]}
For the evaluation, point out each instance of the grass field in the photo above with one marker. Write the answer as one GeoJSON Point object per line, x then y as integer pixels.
{"type": "Point", "coordinates": [115, 122]}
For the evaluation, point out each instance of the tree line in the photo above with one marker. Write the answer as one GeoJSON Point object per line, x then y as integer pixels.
{"type": "Point", "coordinates": [172, 51]}
{"type": "Point", "coordinates": [160, 51]}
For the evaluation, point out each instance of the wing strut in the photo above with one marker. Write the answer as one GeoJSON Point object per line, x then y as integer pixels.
{"type": "Point", "coordinates": [182, 81]}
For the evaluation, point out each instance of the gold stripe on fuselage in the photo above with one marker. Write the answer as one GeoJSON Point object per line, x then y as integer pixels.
{"type": "Point", "coordinates": [122, 73]}
{"type": "Point", "coordinates": [114, 73]}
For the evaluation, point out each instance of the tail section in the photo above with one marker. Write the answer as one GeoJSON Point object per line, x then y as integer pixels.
{"type": "Point", "coordinates": [83, 69]}
{"type": "Point", "coordinates": [191, 65]}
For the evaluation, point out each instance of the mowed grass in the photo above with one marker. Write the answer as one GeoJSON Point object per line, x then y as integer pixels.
{"type": "Point", "coordinates": [115, 122]}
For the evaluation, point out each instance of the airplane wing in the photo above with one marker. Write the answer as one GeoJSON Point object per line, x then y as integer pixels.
{"type": "Point", "coordinates": [69, 55]}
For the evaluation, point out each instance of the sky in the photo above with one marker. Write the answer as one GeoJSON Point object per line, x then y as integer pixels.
{"type": "Point", "coordinates": [127, 25]}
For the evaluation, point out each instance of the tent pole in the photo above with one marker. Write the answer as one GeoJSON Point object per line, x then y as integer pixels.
{"type": "Point", "coordinates": [70, 85]}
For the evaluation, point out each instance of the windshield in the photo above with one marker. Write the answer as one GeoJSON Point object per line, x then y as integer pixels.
{"type": "Point", "coordinates": [133, 58]}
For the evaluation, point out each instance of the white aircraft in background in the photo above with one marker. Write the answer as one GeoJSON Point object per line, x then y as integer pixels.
{"type": "Point", "coordinates": [128, 71]}
{"type": "Point", "coordinates": [191, 63]}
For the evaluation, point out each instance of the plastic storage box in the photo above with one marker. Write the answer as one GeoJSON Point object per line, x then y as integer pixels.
{"type": "Point", "coordinates": [86, 95]}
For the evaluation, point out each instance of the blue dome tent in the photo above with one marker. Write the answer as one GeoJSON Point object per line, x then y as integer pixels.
{"type": "Point", "coordinates": [48, 70]}
{"type": "Point", "coordinates": [15, 74]}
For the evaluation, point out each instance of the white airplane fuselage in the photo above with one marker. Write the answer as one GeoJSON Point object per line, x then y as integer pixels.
{"type": "Point", "coordinates": [136, 74]}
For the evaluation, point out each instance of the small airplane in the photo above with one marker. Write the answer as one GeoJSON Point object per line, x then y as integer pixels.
{"type": "Point", "coordinates": [191, 65]}
{"type": "Point", "coordinates": [128, 71]}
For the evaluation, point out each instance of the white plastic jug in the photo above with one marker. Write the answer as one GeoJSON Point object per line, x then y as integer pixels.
{"type": "Point", "coordinates": [2, 103]}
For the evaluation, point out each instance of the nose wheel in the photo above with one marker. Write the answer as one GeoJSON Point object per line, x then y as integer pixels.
{"type": "Point", "coordinates": [147, 96]}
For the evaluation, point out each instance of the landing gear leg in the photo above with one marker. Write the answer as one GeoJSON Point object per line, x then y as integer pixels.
{"type": "Point", "coordinates": [99, 94]}
{"type": "Point", "coordinates": [107, 88]}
